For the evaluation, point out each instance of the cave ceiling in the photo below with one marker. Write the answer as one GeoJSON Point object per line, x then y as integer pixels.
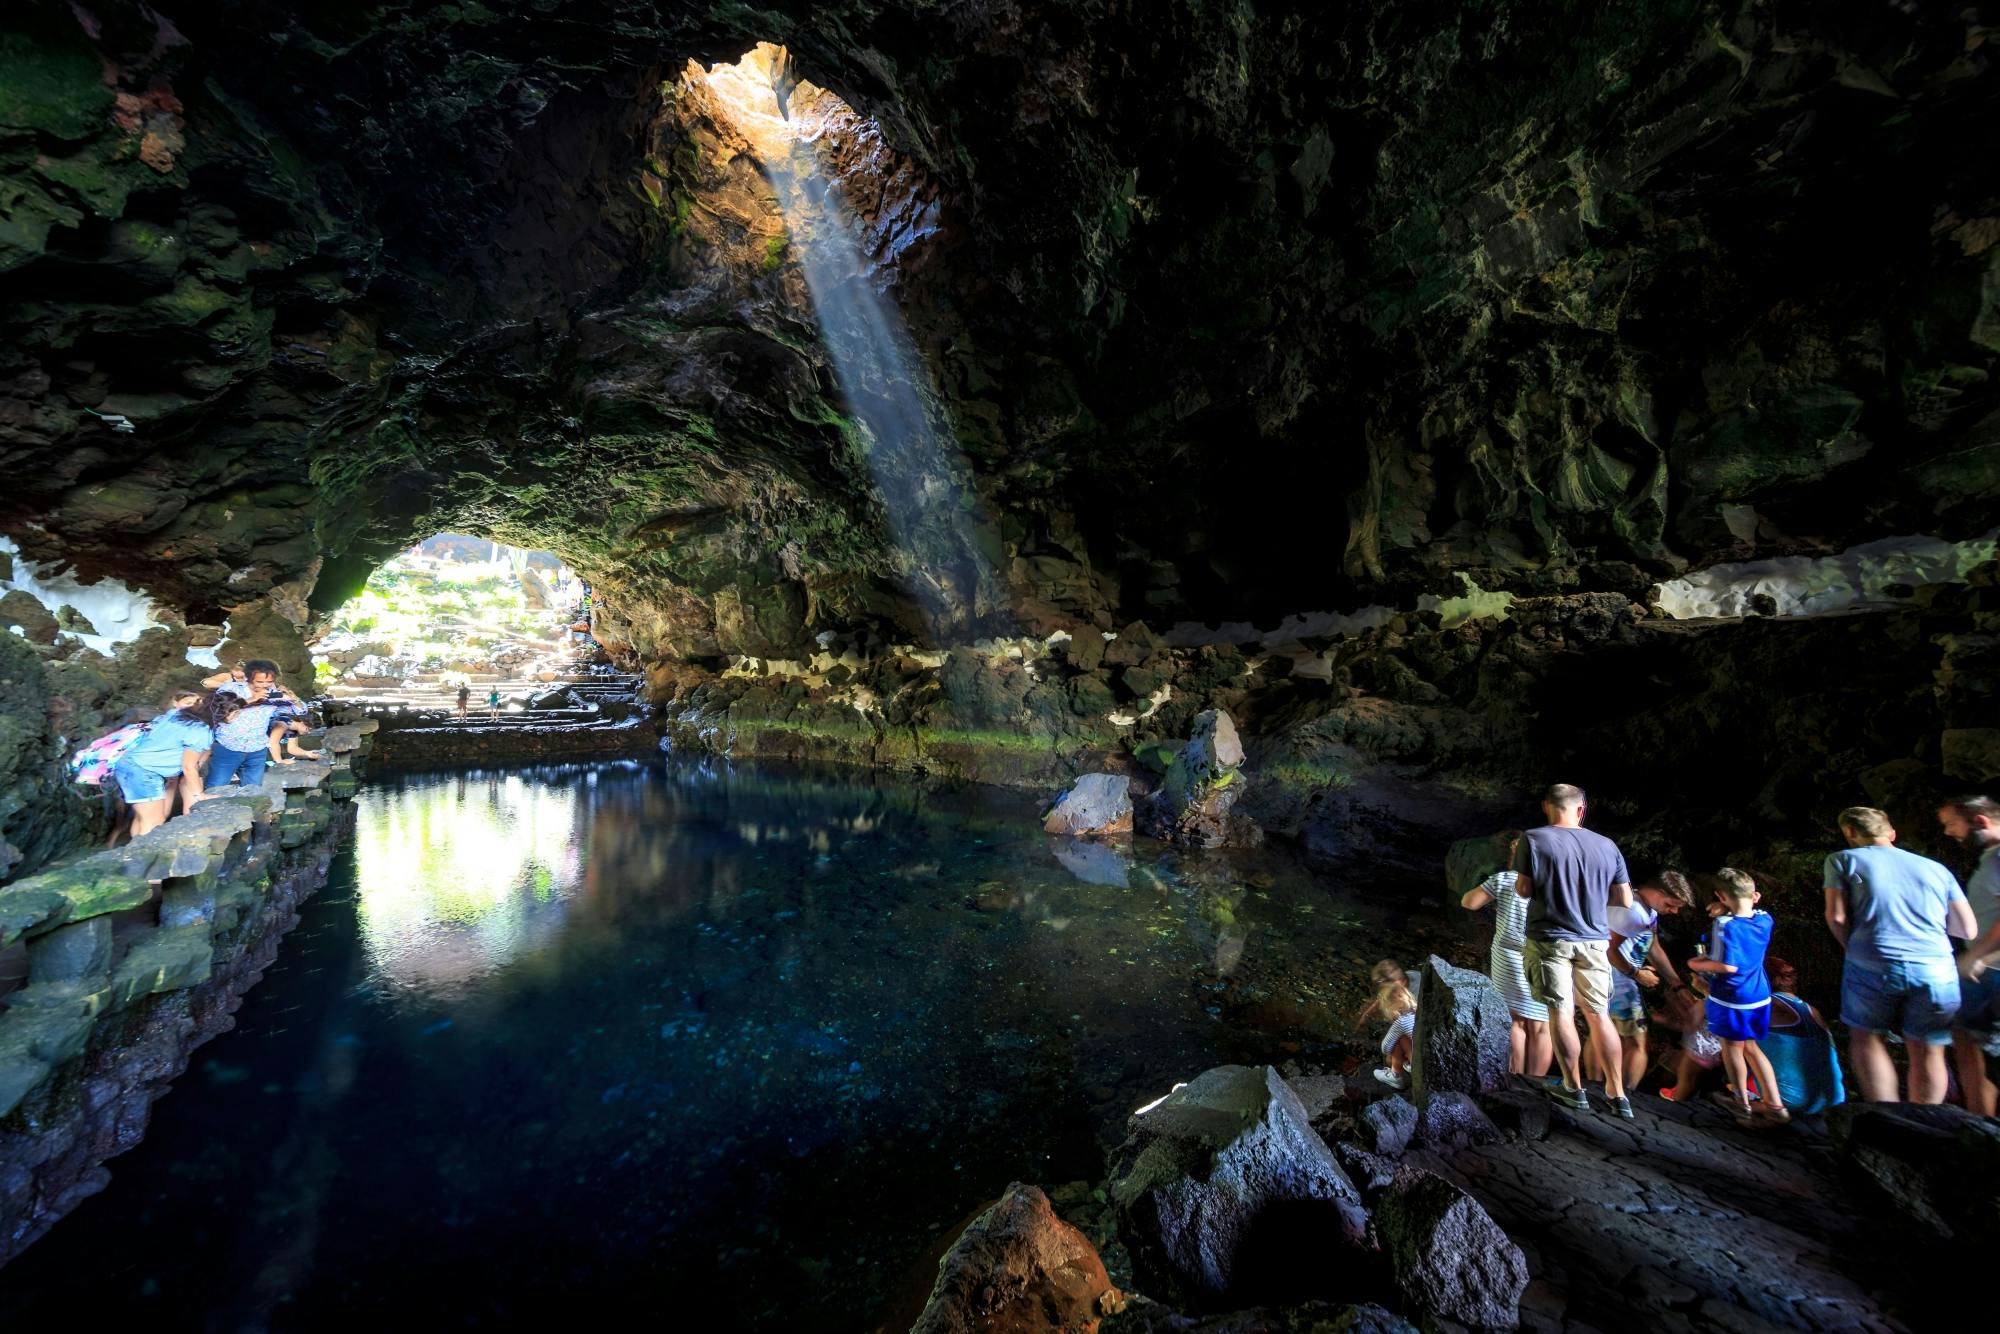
{"type": "Point", "coordinates": [1228, 309]}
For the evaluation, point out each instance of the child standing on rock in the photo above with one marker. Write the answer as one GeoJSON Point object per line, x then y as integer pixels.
{"type": "Point", "coordinates": [1739, 997]}
{"type": "Point", "coordinates": [1395, 1001]}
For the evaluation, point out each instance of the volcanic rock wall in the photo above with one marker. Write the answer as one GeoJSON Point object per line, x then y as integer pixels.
{"type": "Point", "coordinates": [1234, 312]}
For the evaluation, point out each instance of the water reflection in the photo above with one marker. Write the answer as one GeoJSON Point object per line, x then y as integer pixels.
{"type": "Point", "coordinates": [457, 880]}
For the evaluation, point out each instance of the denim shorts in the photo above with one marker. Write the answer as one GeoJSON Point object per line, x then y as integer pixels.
{"type": "Point", "coordinates": [136, 783]}
{"type": "Point", "coordinates": [1978, 1002]}
{"type": "Point", "coordinates": [1918, 1000]}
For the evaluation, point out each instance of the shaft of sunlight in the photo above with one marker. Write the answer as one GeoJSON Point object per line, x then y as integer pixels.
{"type": "Point", "coordinates": [919, 473]}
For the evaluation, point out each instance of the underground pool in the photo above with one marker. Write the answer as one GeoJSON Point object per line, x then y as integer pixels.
{"type": "Point", "coordinates": [745, 1045]}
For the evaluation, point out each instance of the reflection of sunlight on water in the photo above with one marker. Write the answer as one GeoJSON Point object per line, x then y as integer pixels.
{"type": "Point", "coordinates": [458, 880]}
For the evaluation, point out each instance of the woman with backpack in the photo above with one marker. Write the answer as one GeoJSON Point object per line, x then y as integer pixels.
{"type": "Point", "coordinates": [172, 746]}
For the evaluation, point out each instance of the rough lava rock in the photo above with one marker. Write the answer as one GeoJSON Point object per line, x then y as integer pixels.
{"type": "Point", "coordinates": [1450, 1258]}
{"type": "Point", "coordinates": [1019, 1269]}
{"type": "Point", "coordinates": [1095, 805]}
{"type": "Point", "coordinates": [1195, 803]}
{"type": "Point", "coordinates": [1226, 1196]}
{"type": "Point", "coordinates": [1938, 1166]}
{"type": "Point", "coordinates": [1388, 1123]}
{"type": "Point", "coordinates": [1461, 1038]}
{"type": "Point", "coordinates": [1449, 1122]}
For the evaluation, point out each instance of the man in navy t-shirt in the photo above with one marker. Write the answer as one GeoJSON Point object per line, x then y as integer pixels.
{"type": "Point", "coordinates": [1570, 877]}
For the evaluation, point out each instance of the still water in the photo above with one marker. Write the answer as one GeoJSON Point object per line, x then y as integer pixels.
{"type": "Point", "coordinates": [707, 1048]}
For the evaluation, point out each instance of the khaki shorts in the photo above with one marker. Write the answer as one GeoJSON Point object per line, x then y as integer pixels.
{"type": "Point", "coordinates": [1570, 974]}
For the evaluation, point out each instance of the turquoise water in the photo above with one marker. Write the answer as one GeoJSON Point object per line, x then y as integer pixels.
{"type": "Point", "coordinates": [674, 1042]}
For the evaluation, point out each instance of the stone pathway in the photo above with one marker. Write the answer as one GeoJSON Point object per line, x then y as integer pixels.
{"type": "Point", "coordinates": [1677, 1221]}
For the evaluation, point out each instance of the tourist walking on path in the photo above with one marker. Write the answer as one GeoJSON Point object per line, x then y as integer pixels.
{"type": "Point", "coordinates": [1529, 1049]}
{"type": "Point", "coordinates": [1975, 822]}
{"type": "Point", "coordinates": [1571, 877]}
{"type": "Point", "coordinates": [493, 703]}
{"type": "Point", "coordinates": [464, 699]}
{"type": "Point", "coordinates": [172, 746]}
{"type": "Point", "coordinates": [1739, 997]}
{"type": "Point", "coordinates": [1895, 914]}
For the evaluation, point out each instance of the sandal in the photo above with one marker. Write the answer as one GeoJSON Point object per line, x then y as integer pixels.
{"type": "Point", "coordinates": [1729, 1103]}
{"type": "Point", "coordinates": [1777, 1116]}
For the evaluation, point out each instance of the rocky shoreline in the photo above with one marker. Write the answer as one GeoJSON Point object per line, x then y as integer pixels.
{"type": "Point", "coordinates": [138, 955]}
{"type": "Point", "coordinates": [1253, 1202]}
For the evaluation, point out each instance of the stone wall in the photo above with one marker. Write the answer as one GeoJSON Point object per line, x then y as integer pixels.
{"type": "Point", "coordinates": [423, 742]}
{"type": "Point", "coordinates": [136, 956]}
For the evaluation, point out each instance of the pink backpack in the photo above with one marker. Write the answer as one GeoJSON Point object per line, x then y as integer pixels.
{"type": "Point", "coordinates": [93, 763]}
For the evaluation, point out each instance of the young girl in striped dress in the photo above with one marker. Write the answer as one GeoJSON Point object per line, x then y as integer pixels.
{"type": "Point", "coordinates": [1529, 1047]}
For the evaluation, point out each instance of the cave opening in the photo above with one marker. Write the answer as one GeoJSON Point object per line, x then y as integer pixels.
{"type": "Point", "coordinates": [453, 612]}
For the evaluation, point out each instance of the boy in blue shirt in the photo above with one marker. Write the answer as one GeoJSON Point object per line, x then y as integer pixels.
{"type": "Point", "coordinates": [1739, 997]}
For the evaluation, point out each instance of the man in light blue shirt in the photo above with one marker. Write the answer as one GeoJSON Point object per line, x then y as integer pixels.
{"type": "Point", "coordinates": [1975, 822]}
{"type": "Point", "coordinates": [1895, 914]}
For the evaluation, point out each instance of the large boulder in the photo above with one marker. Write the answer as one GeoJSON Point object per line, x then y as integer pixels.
{"type": "Point", "coordinates": [1461, 1038]}
{"type": "Point", "coordinates": [1449, 1257]}
{"type": "Point", "coordinates": [1226, 1196]}
{"type": "Point", "coordinates": [1018, 1269]}
{"type": "Point", "coordinates": [1094, 805]}
{"type": "Point", "coordinates": [1938, 1166]}
{"type": "Point", "coordinates": [1195, 803]}
{"type": "Point", "coordinates": [560, 698]}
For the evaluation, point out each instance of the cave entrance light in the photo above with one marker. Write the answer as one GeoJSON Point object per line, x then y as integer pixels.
{"type": "Point", "coordinates": [455, 610]}
{"type": "Point", "coordinates": [919, 472]}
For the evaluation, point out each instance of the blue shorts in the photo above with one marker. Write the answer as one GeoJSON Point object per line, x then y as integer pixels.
{"type": "Point", "coordinates": [1734, 1025]}
{"type": "Point", "coordinates": [1627, 1001]}
{"type": "Point", "coordinates": [1918, 1000]}
{"type": "Point", "coordinates": [136, 783]}
{"type": "Point", "coordinates": [1979, 1003]}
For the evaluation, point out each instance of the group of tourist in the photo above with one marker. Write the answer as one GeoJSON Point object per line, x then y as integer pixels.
{"type": "Point", "coordinates": [1574, 934]}
{"type": "Point", "coordinates": [227, 731]}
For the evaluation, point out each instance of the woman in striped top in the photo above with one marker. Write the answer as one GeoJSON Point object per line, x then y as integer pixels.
{"type": "Point", "coordinates": [1530, 1049]}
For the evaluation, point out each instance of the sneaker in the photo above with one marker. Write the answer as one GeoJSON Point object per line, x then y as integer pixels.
{"type": "Point", "coordinates": [1623, 1106]}
{"type": "Point", "coordinates": [1391, 1078]}
{"type": "Point", "coordinates": [1576, 1100]}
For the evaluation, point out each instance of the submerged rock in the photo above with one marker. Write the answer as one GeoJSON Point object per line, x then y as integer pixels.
{"type": "Point", "coordinates": [1226, 1196]}
{"type": "Point", "coordinates": [1095, 805]}
{"type": "Point", "coordinates": [1461, 1038]}
{"type": "Point", "coordinates": [1450, 1258]}
{"type": "Point", "coordinates": [1018, 1269]}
